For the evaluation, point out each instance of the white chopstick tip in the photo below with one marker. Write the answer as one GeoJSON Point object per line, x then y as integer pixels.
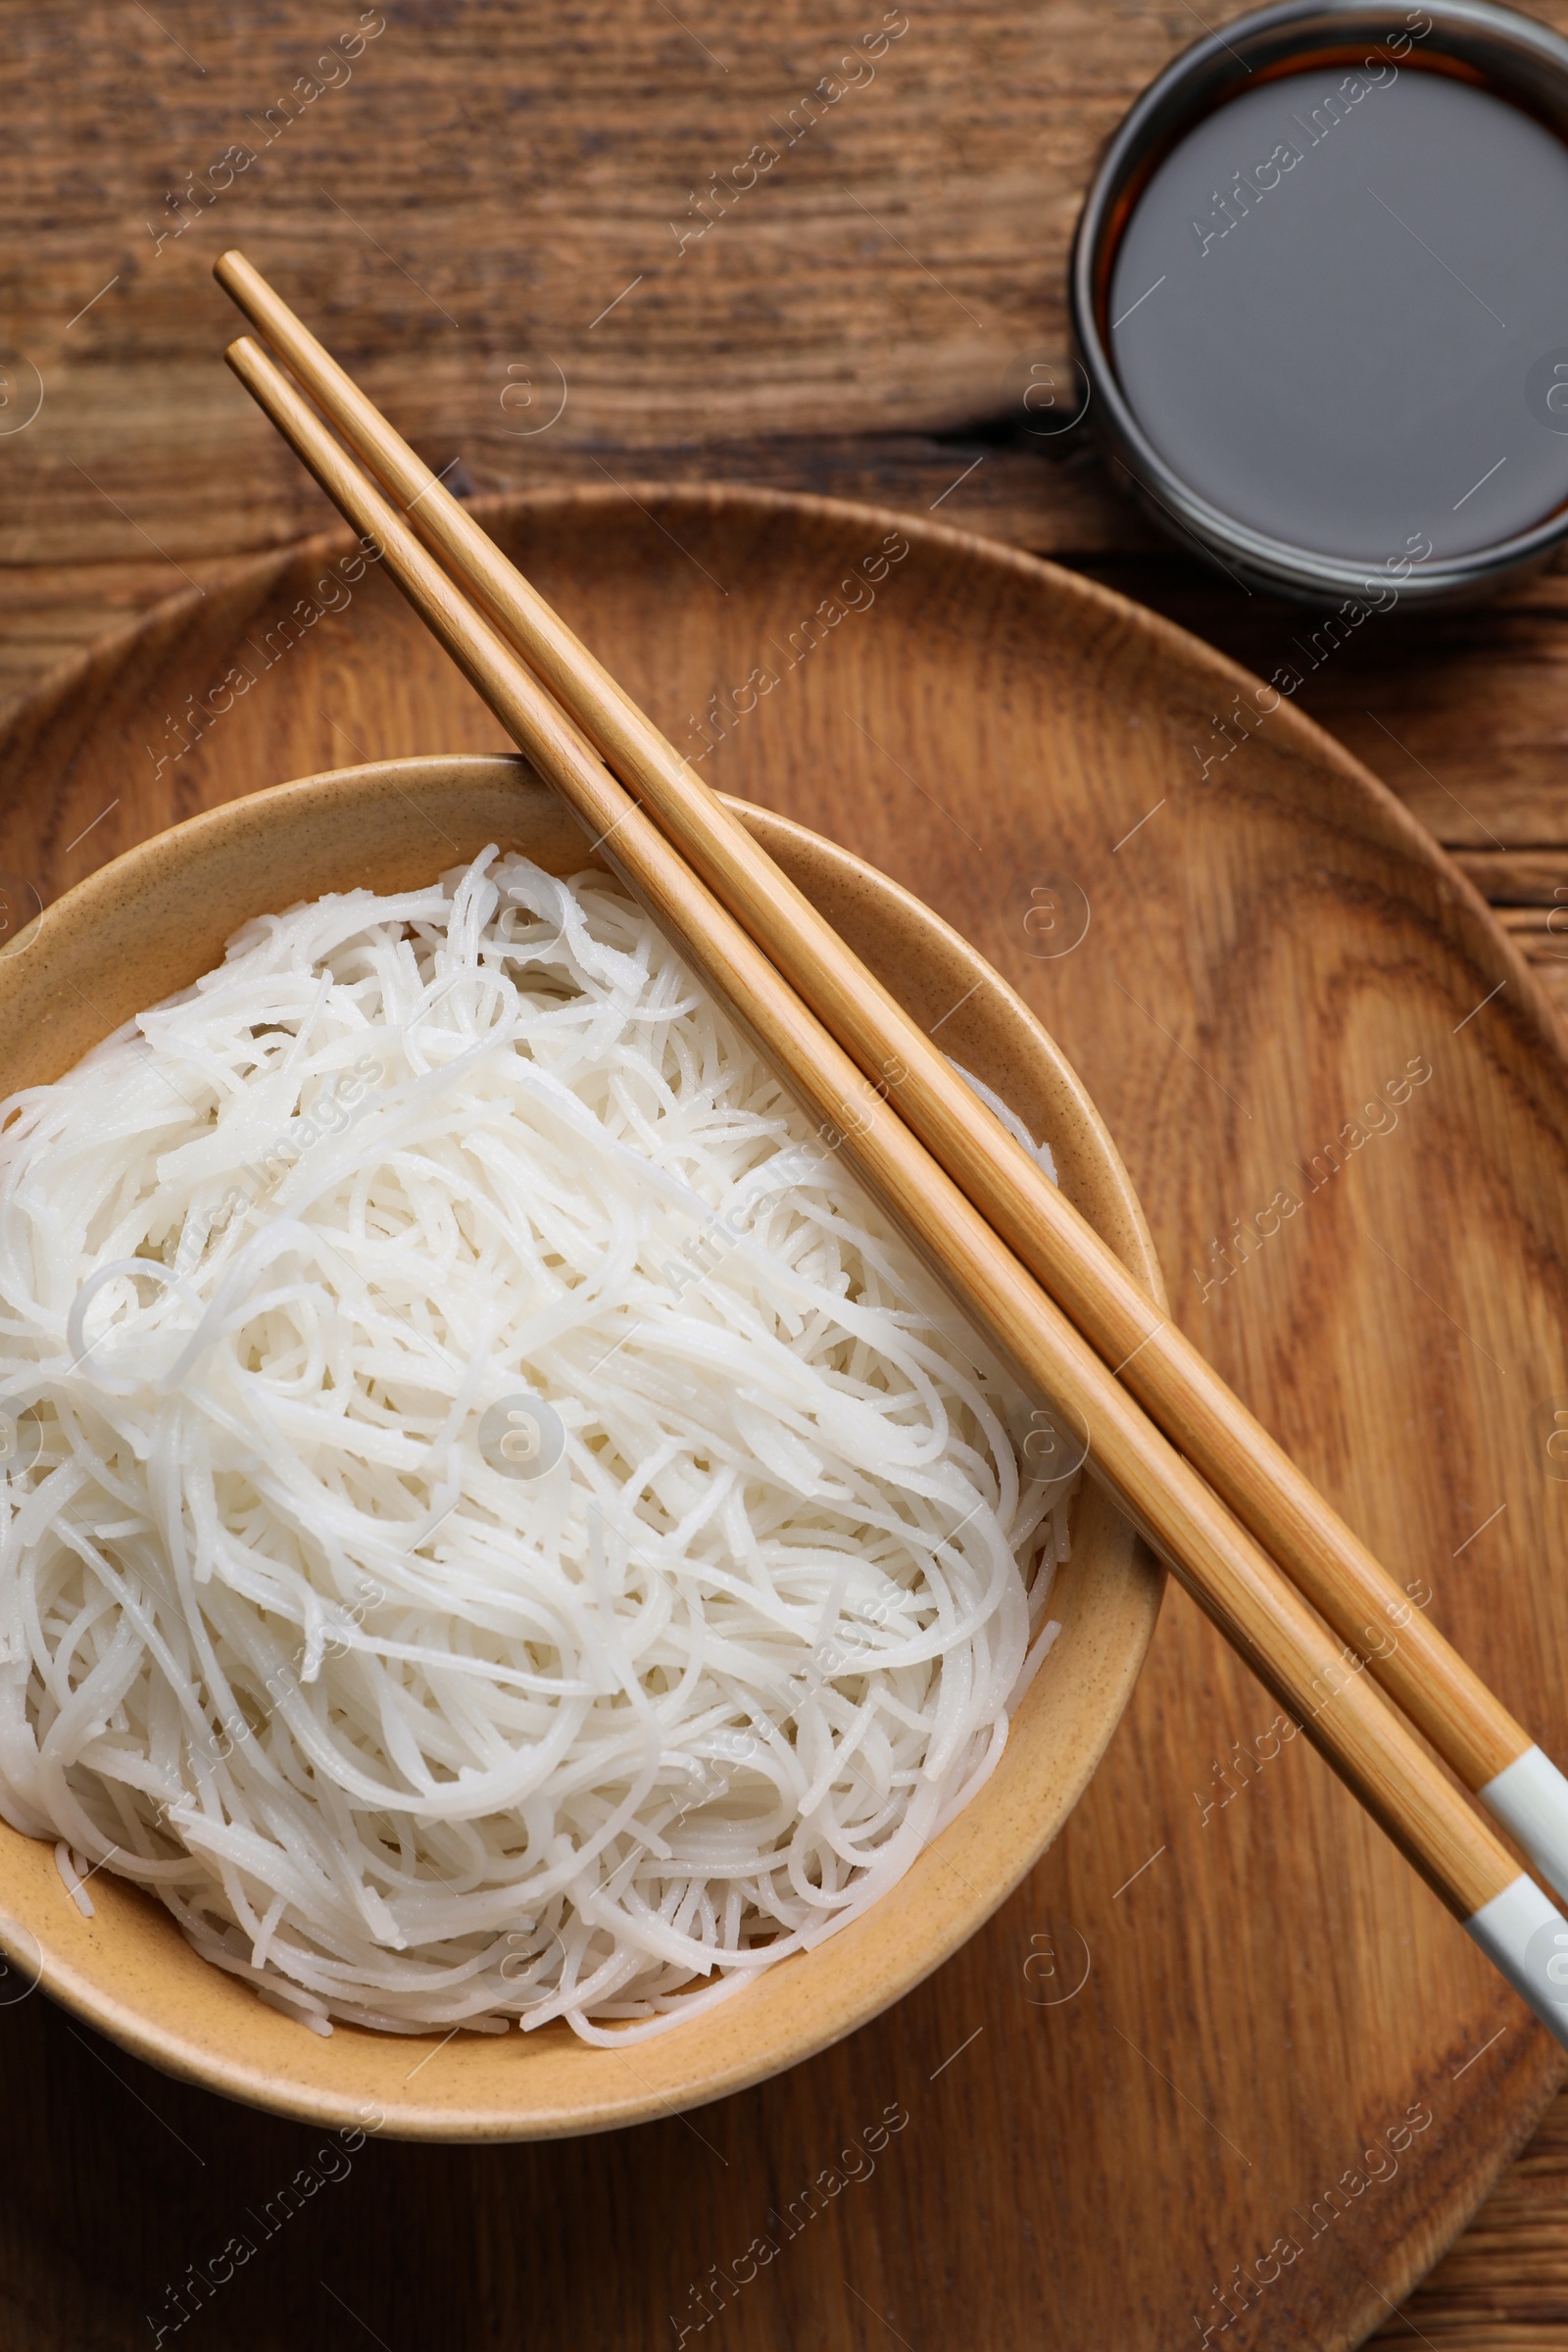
{"type": "Point", "coordinates": [1525, 1937]}
{"type": "Point", "coordinates": [1530, 1798]}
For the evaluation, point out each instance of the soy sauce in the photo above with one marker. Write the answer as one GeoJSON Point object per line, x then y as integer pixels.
{"type": "Point", "coordinates": [1339, 311]}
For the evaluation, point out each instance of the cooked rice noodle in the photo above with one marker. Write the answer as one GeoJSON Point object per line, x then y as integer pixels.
{"type": "Point", "coordinates": [400, 1735]}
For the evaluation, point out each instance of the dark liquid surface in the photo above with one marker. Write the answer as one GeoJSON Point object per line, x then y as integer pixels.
{"type": "Point", "coordinates": [1368, 350]}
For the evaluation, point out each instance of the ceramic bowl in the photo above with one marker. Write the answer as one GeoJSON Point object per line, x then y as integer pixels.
{"type": "Point", "coordinates": [150, 923]}
{"type": "Point", "coordinates": [1495, 48]}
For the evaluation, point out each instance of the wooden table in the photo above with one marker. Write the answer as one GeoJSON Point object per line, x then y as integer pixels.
{"type": "Point", "coordinates": [496, 216]}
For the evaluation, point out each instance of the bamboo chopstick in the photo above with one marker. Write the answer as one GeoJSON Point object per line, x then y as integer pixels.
{"type": "Point", "coordinates": [1441, 1694]}
{"type": "Point", "coordinates": [1365, 1739]}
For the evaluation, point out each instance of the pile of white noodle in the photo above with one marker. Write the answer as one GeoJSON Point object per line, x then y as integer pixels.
{"type": "Point", "coordinates": [400, 1734]}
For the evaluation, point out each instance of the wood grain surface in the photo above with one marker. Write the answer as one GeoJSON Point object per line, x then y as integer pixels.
{"type": "Point", "coordinates": [863, 321]}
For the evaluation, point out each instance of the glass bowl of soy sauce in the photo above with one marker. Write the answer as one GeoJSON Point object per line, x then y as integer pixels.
{"type": "Point", "coordinates": [1319, 288]}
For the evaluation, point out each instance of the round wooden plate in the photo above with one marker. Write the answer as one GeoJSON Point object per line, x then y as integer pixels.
{"type": "Point", "coordinates": [1222, 2072]}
